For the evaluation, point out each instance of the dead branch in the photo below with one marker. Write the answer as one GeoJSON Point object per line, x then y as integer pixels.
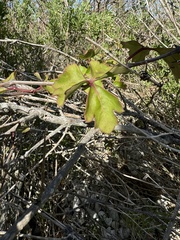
{"type": "Point", "coordinates": [24, 219]}
{"type": "Point", "coordinates": [13, 41]}
{"type": "Point", "coordinates": [44, 115]}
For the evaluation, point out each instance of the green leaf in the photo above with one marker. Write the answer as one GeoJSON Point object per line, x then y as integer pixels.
{"type": "Point", "coordinates": [71, 79]}
{"type": "Point", "coordinates": [89, 54]}
{"type": "Point", "coordinates": [50, 89]}
{"type": "Point", "coordinates": [11, 77]}
{"type": "Point", "coordinates": [97, 69]}
{"type": "Point", "coordinates": [74, 77]}
{"type": "Point", "coordinates": [3, 89]}
{"type": "Point", "coordinates": [117, 82]}
{"type": "Point", "coordinates": [101, 106]}
{"type": "Point", "coordinates": [27, 129]}
{"type": "Point", "coordinates": [137, 52]}
{"type": "Point", "coordinates": [119, 69]}
{"type": "Point", "coordinates": [36, 74]}
{"type": "Point", "coordinates": [173, 61]}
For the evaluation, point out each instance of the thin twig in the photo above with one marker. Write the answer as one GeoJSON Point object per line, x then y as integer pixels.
{"type": "Point", "coordinates": [33, 112]}
{"type": "Point", "coordinates": [10, 83]}
{"type": "Point", "coordinates": [111, 55]}
{"type": "Point", "coordinates": [164, 28]}
{"type": "Point", "coordinates": [170, 53]}
{"type": "Point", "coordinates": [13, 41]}
{"type": "Point", "coordinates": [38, 144]}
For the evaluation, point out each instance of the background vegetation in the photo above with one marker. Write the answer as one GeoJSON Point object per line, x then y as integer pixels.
{"type": "Point", "coordinates": [125, 185]}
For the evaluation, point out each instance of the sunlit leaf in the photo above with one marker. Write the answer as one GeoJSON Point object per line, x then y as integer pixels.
{"type": "Point", "coordinates": [82, 69]}
{"type": "Point", "coordinates": [97, 69]}
{"type": "Point", "coordinates": [71, 79]}
{"type": "Point", "coordinates": [118, 83]}
{"type": "Point", "coordinates": [36, 74]}
{"type": "Point", "coordinates": [11, 77]}
{"type": "Point", "coordinates": [100, 106]}
{"type": "Point", "coordinates": [26, 130]}
{"type": "Point", "coordinates": [50, 89]}
{"type": "Point", "coordinates": [119, 69]}
{"type": "Point", "coordinates": [3, 89]}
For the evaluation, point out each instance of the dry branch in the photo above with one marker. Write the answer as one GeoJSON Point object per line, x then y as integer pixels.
{"type": "Point", "coordinates": [24, 219]}
{"type": "Point", "coordinates": [44, 115]}
{"type": "Point", "coordinates": [13, 41]}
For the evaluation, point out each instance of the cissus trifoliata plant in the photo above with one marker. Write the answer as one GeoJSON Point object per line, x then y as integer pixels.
{"type": "Point", "coordinates": [101, 105]}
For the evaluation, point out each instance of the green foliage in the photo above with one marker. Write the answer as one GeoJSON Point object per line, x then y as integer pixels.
{"type": "Point", "coordinates": [3, 18]}
{"type": "Point", "coordinates": [3, 28]}
{"type": "Point", "coordinates": [11, 77]}
{"type": "Point", "coordinates": [173, 61]}
{"type": "Point", "coordinates": [171, 94]}
{"type": "Point", "coordinates": [67, 25]}
{"type": "Point", "coordinates": [100, 104]}
{"type": "Point", "coordinates": [20, 18]}
{"type": "Point", "coordinates": [68, 82]}
{"type": "Point", "coordinates": [138, 52]}
{"type": "Point", "coordinates": [134, 50]}
{"type": "Point", "coordinates": [89, 54]}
